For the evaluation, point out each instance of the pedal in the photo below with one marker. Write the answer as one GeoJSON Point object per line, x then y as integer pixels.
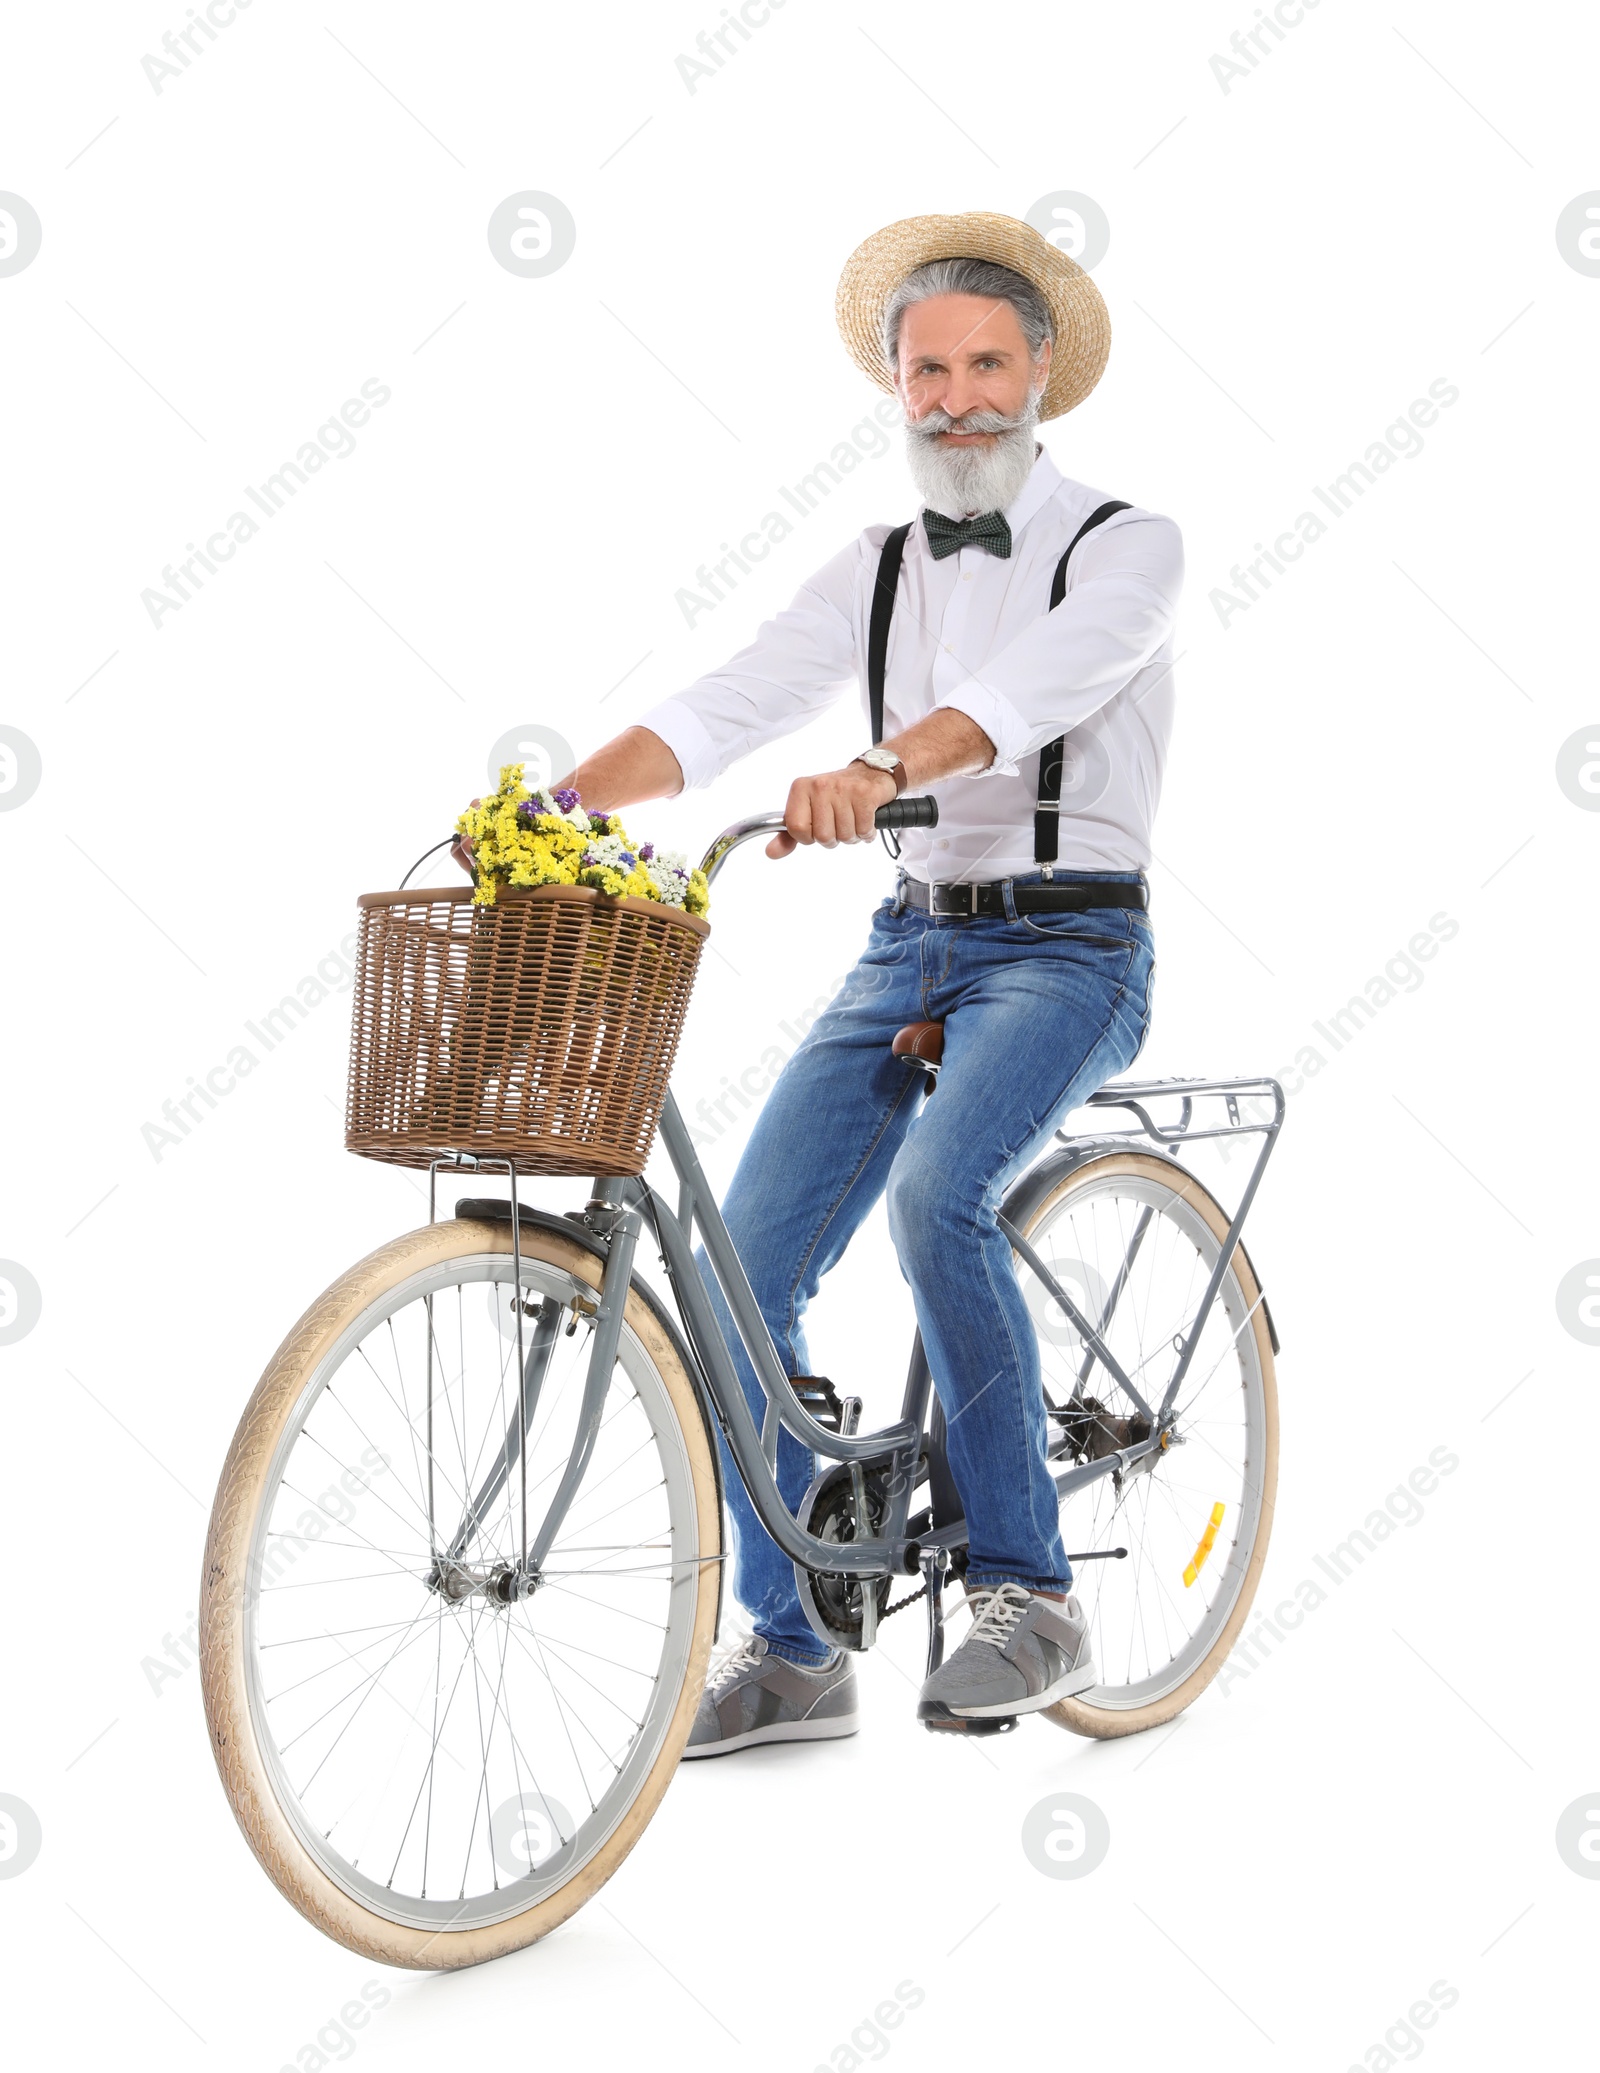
{"type": "Point", "coordinates": [952, 1724]}
{"type": "Point", "coordinates": [818, 1396]}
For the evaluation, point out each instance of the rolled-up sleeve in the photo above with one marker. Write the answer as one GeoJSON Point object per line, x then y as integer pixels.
{"type": "Point", "coordinates": [1068, 663]}
{"type": "Point", "coordinates": [797, 665]}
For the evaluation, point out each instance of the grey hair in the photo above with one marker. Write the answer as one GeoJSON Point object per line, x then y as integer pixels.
{"type": "Point", "coordinates": [968, 277]}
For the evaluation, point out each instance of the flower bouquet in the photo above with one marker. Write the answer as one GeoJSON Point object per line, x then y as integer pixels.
{"type": "Point", "coordinates": [540, 1025]}
{"type": "Point", "coordinates": [523, 838]}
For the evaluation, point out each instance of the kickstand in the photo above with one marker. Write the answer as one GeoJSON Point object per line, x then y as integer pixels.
{"type": "Point", "coordinates": [935, 1564]}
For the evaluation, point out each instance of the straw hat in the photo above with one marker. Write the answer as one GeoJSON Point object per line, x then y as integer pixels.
{"type": "Point", "coordinates": [875, 269]}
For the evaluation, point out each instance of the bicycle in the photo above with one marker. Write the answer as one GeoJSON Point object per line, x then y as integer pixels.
{"type": "Point", "coordinates": [447, 1690]}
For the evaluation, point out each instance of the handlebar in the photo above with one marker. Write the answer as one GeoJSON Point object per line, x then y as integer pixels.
{"type": "Point", "coordinates": [907, 813]}
{"type": "Point", "coordinates": [899, 813]}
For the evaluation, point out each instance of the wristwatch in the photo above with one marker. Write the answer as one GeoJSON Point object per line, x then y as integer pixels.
{"type": "Point", "coordinates": [885, 760]}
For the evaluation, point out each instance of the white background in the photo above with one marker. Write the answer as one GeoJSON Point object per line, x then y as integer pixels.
{"type": "Point", "coordinates": [1292, 261]}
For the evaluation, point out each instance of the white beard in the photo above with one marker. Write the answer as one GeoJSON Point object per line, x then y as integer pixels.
{"type": "Point", "coordinates": [959, 479]}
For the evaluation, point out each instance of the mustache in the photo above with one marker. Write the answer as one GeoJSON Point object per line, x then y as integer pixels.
{"type": "Point", "coordinates": [937, 421]}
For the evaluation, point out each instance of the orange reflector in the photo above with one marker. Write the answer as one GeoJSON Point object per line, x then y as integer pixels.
{"type": "Point", "coordinates": [1208, 1541]}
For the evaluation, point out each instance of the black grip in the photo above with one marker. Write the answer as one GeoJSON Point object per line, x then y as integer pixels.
{"type": "Point", "coordinates": [907, 813]}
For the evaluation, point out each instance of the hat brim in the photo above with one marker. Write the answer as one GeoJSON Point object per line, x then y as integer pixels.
{"type": "Point", "coordinates": [877, 267]}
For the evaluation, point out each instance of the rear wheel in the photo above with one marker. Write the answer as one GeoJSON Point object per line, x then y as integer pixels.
{"type": "Point", "coordinates": [1133, 1239]}
{"type": "Point", "coordinates": [433, 1769]}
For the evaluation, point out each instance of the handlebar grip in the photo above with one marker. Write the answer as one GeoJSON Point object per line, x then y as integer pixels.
{"type": "Point", "coordinates": [907, 813]}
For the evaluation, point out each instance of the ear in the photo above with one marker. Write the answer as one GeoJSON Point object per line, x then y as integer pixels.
{"type": "Point", "coordinates": [1042, 375]}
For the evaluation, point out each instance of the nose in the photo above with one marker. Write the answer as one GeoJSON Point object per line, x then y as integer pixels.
{"type": "Point", "coordinates": [961, 394]}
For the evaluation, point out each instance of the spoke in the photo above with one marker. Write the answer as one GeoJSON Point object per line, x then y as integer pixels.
{"type": "Point", "coordinates": [324, 1634]}
{"type": "Point", "coordinates": [506, 1631]}
{"type": "Point", "coordinates": [439, 1725]}
{"type": "Point", "coordinates": [549, 1641]}
{"type": "Point", "coordinates": [325, 1583]}
{"type": "Point", "coordinates": [349, 1527]}
{"type": "Point", "coordinates": [536, 1655]}
{"type": "Point", "coordinates": [566, 1590]}
{"type": "Point", "coordinates": [483, 1753]}
{"type": "Point", "coordinates": [347, 1469]}
{"type": "Point", "coordinates": [402, 1410]}
{"type": "Point", "coordinates": [283, 1691]}
{"type": "Point", "coordinates": [428, 1454]}
{"type": "Point", "coordinates": [638, 1497]}
{"type": "Point", "coordinates": [403, 1643]}
{"type": "Point", "coordinates": [404, 1405]}
{"type": "Point", "coordinates": [613, 1662]}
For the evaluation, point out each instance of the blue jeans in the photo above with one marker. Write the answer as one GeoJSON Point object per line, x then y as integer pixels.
{"type": "Point", "coordinates": [1038, 1013]}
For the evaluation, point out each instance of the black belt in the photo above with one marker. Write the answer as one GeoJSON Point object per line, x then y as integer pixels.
{"type": "Point", "coordinates": [1065, 896]}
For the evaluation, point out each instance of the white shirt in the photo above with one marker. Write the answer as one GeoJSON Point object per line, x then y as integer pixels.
{"type": "Point", "coordinates": [973, 633]}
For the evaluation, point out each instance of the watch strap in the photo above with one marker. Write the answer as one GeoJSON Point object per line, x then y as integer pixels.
{"type": "Point", "coordinates": [897, 772]}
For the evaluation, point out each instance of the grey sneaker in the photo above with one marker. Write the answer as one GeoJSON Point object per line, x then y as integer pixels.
{"type": "Point", "coordinates": [752, 1697]}
{"type": "Point", "coordinates": [1023, 1652]}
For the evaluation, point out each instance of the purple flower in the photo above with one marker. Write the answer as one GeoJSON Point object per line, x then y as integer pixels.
{"type": "Point", "coordinates": [566, 798]}
{"type": "Point", "coordinates": [600, 823]}
{"type": "Point", "coordinates": [646, 851]}
{"type": "Point", "coordinates": [626, 860]}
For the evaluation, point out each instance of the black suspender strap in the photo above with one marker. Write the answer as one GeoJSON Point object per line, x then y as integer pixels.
{"type": "Point", "coordinates": [882, 612]}
{"type": "Point", "coordinates": [1047, 813]}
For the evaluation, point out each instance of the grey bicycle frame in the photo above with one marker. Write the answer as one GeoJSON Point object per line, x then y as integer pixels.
{"type": "Point", "coordinates": [620, 1209]}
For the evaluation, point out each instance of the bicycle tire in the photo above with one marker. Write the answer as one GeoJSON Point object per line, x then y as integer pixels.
{"type": "Point", "coordinates": [1242, 1292]}
{"type": "Point", "coordinates": [247, 1775]}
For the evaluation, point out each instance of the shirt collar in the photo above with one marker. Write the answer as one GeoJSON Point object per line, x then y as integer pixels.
{"type": "Point", "coordinates": [1043, 481]}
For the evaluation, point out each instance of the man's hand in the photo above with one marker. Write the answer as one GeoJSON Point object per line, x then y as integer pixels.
{"type": "Point", "coordinates": [836, 807]}
{"type": "Point", "coordinates": [839, 807]}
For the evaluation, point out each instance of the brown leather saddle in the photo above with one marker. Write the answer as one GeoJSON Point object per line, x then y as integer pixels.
{"type": "Point", "coordinates": [922, 1043]}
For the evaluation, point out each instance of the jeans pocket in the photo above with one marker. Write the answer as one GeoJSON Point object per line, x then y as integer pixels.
{"type": "Point", "coordinates": [1093, 928]}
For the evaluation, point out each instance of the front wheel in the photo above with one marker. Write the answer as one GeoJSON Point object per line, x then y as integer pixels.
{"type": "Point", "coordinates": [1133, 1238]}
{"type": "Point", "coordinates": [433, 1768]}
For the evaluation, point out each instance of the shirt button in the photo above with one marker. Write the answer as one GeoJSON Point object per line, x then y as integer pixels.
{"type": "Point", "coordinates": [948, 649]}
{"type": "Point", "coordinates": [967, 578]}
{"type": "Point", "coordinates": [943, 842]}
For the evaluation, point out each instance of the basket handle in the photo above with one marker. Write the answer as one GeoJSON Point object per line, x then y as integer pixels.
{"type": "Point", "coordinates": [448, 843]}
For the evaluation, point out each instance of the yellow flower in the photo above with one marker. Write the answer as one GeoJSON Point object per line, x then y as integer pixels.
{"type": "Point", "coordinates": [544, 848]}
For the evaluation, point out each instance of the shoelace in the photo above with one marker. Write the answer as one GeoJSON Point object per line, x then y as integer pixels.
{"type": "Point", "coordinates": [996, 1611]}
{"type": "Point", "coordinates": [737, 1656]}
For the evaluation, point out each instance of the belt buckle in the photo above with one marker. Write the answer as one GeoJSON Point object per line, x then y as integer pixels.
{"type": "Point", "coordinates": [941, 909]}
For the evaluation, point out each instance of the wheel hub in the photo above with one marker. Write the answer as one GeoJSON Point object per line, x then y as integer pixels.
{"type": "Point", "coordinates": [499, 1583]}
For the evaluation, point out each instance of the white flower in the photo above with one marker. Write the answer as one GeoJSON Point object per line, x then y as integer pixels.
{"type": "Point", "coordinates": [669, 875]}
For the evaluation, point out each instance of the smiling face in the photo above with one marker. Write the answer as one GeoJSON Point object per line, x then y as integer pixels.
{"type": "Point", "coordinates": [966, 355]}
{"type": "Point", "coordinates": [971, 394]}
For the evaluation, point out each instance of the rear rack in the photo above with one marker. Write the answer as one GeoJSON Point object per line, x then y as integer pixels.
{"type": "Point", "coordinates": [1135, 1094]}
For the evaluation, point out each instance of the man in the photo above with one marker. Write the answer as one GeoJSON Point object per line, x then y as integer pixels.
{"type": "Point", "coordinates": [1019, 924]}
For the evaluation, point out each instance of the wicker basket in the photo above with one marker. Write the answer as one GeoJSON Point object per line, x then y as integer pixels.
{"type": "Point", "coordinates": [541, 1029]}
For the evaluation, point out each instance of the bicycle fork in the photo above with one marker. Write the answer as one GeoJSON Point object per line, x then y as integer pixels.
{"type": "Point", "coordinates": [453, 1577]}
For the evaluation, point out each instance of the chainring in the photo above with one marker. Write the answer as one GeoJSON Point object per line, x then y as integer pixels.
{"type": "Point", "coordinates": [833, 1603]}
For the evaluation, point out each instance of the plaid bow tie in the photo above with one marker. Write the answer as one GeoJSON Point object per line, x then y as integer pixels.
{"type": "Point", "coordinates": [988, 530]}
